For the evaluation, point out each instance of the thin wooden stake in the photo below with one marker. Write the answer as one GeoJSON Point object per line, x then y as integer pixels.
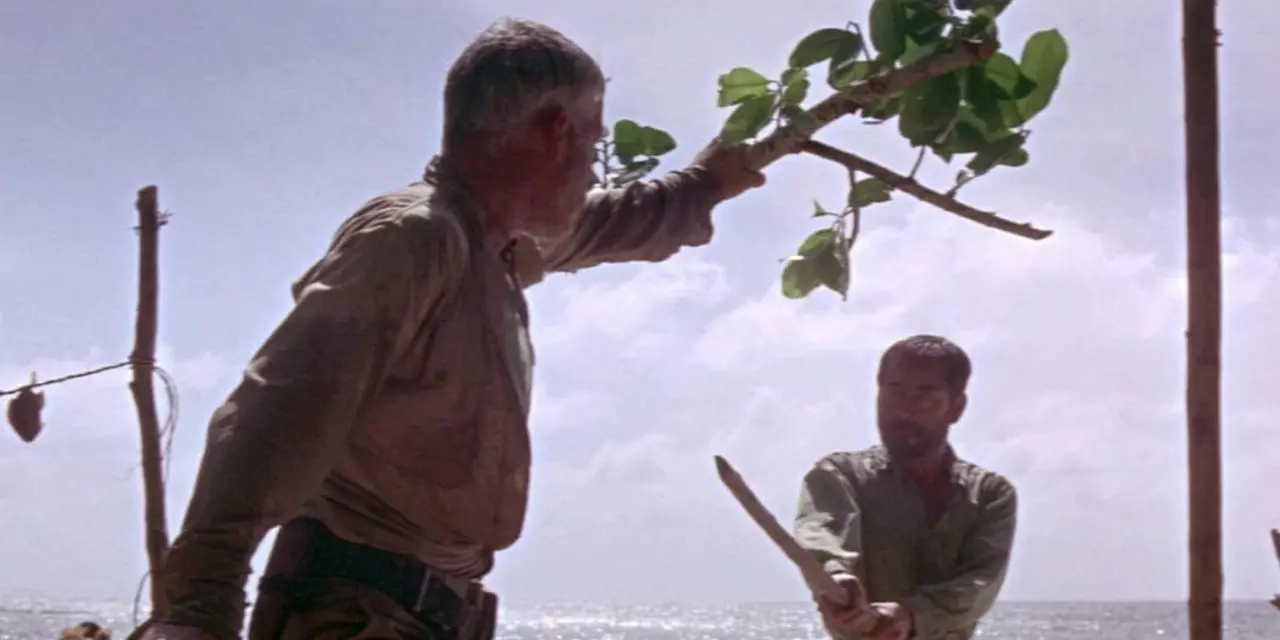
{"type": "Point", "coordinates": [143, 389]}
{"type": "Point", "coordinates": [1204, 317]}
{"type": "Point", "coordinates": [1275, 543]}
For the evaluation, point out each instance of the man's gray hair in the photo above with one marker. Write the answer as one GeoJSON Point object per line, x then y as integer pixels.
{"type": "Point", "coordinates": [511, 71]}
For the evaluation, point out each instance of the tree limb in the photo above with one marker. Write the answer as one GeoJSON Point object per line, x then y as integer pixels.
{"type": "Point", "coordinates": [911, 187]}
{"type": "Point", "coordinates": [787, 139]}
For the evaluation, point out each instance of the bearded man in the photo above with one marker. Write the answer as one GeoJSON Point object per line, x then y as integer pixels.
{"type": "Point", "coordinates": [384, 422]}
{"type": "Point", "coordinates": [918, 536]}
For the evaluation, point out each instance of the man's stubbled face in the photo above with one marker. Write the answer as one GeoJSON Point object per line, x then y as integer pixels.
{"type": "Point", "coordinates": [915, 408]}
{"type": "Point", "coordinates": [569, 165]}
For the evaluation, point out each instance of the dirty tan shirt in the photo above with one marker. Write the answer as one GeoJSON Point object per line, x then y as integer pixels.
{"type": "Point", "coordinates": [392, 401]}
{"type": "Point", "coordinates": [861, 514]}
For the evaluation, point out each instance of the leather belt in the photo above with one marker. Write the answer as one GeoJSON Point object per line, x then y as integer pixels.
{"type": "Point", "coordinates": [441, 602]}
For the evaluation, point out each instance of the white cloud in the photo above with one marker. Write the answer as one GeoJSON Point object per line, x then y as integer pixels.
{"type": "Point", "coordinates": [1077, 343]}
{"type": "Point", "coordinates": [646, 371]}
{"type": "Point", "coordinates": [633, 315]}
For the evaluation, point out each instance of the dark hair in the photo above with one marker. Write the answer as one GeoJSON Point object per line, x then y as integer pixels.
{"type": "Point", "coordinates": [936, 349]}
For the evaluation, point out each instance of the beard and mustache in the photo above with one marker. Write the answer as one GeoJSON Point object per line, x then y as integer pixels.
{"type": "Point", "coordinates": [906, 439]}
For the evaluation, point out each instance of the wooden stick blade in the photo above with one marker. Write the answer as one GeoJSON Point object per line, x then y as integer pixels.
{"type": "Point", "coordinates": [807, 564]}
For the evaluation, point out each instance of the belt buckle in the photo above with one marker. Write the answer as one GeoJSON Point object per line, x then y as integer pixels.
{"type": "Point", "coordinates": [420, 598]}
{"type": "Point", "coordinates": [421, 602]}
{"type": "Point", "coordinates": [470, 611]}
{"type": "Point", "coordinates": [457, 614]}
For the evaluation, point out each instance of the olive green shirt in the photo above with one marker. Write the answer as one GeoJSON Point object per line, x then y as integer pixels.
{"type": "Point", "coordinates": [861, 514]}
{"type": "Point", "coordinates": [392, 401]}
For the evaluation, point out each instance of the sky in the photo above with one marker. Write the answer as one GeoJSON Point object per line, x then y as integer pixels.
{"type": "Point", "coordinates": [265, 126]}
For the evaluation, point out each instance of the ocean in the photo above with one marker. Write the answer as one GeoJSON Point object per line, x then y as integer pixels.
{"type": "Point", "coordinates": [41, 620]}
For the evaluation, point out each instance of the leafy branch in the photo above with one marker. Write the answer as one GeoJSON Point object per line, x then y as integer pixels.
{"type": "Point", "coordinates": [934, 66]}
{"type": "Point", "coordinates": [908, 185]}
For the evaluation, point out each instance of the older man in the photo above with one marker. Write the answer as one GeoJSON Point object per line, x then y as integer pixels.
{"type": "Point", "coordinates": [917, 535]}
{"type": "Point", "coordinates": [384, 422]}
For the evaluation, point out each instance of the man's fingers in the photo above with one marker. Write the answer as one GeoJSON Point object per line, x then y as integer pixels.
{"type": "Point", "coordinates": [842, 615]}
{"type": "Point", "coordinates": [849, 616]}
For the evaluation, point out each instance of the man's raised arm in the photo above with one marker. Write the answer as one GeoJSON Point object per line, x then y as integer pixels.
{"type": "Point", "coordinates": [958, 604]}
{"type": "Point", "coordinates": [271, 444]}
{"type": "Point", "coordinates": [651, 220]}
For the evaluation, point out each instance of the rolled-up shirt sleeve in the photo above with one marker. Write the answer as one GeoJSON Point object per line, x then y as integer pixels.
{"type": "Point", "coordinates": [828, 521]}
{"type": "Point", "coordinates": [279, 433]}
{"type": "Point", "coordinates": [645, 221]}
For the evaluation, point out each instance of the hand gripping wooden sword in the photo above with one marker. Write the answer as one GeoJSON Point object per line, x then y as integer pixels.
{"type": "Point", "coordinates": [808, 565]}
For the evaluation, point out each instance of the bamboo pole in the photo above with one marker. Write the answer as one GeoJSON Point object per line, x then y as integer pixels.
{"type": "Point", "coordinates": [1204, 318]}
{"type": "Point", "coordinates": [143, 390]}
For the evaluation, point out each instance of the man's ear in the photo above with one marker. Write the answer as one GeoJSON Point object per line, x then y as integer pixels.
{"type": "Point", "coordinates": [553, 126]}
{"type": "Point", "coordinates": [958, 405]}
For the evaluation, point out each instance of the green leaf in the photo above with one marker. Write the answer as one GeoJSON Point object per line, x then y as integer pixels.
{"type": "Point", "coordinates": [993, 88]}
{"type": "Point", "coordinates": [845, 66]}
{"type": "Point", "coordinates": [925, 23]}
{"type": "Point", "coordinates": [795, 86]}
{"type": "Point", "coordinates": [886, 108]}
{"type": "Point", "coordinates": [657, 142]}
{"type": "Point", "coordinates": [843, 75]}
{"type": "Point", "coordinates": [798, 278]}
{"type": "Point", "coordinates": [628, 139]}
{"type": "Point", "coordinates": [831, 265]}
{"type": "Point", "coordinates": [631, 140]}
{"type": "Point", "coordinates": [914, 53]}
{"type": "Point", "coordinates": [993, 7]}
{"type": "Point", "coordinates": [968, 137]}
{"type": "Point", "coordinates": [749, 118]}
{"type": "Point", "coordinates": [795, 93]}
{"type": "Point", "coordinates": [929, 108]}
{"type": "Point", "coordinates": [980, 26]}
{"type": "Point", "coordinates": [1016, 158]}
{"type": "Point", "coordinates": [633, 171]}
{"type": "Point", "coordinates": [817, 242]}
{"type": "Point", "coordinates": [993, 154]}
{"type": "Point", "coordinates": [1005, 73]}
{"type": "Point", "coordinates": [797, 115]}
{"type": "Point", "coordinates": [823, 259]}
{"type": "Point", "coordinates": [741, 84]}
{"type": "Point", "coordinates": [869, 191]}
{"type": "Point", "coordinates": [1043, 58]}
{"type": "Point", "coordinates": [819, 211]}
{"type": "Point", "coordinates": [822, 45]}
{"type": "Point", "coordinates": [888, 28]}
{"type": "Point", "coordinates": [983, 97]}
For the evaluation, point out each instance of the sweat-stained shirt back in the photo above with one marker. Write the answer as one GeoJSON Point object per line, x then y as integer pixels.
{"type": "Point", "coordinates": [392, 401]}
